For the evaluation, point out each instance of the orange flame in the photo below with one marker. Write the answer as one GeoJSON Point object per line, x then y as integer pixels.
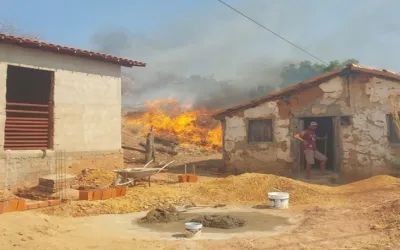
{"type": "Point", "coordinates": [188, 127]}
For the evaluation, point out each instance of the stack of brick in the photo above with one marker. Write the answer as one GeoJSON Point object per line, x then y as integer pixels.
{"type": "Point", "coordinates": [53, 183]}
{"type": "Point", "coordinates": [102, 194]}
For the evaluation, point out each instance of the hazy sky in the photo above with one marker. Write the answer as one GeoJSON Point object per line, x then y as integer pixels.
{"type": "Point", "coordinates": [205, 37]}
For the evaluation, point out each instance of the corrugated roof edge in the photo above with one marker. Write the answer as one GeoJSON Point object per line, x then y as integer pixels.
{"type": "Point", "coordinates": [306, 84]}
{"type": "Point", "coordinates": [59, 49]}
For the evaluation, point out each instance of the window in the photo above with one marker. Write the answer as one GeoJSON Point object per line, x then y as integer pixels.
{"type": "Point", "coordinates": [393, 133]}
{"type": "Point", "coordinates": [260, 130]}
{"type": "Point", "coordinates": [29, 118]}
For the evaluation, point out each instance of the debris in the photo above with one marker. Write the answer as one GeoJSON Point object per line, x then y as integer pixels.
{"type": "Point", "coordinates": [219, 221]}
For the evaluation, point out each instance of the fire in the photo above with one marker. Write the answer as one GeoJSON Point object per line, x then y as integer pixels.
{"type": "Point", "coordinates": [170, 121]}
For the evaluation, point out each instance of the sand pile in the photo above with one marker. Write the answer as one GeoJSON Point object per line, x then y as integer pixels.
{"type": "Point", "coordinates": [96, 178]}
{"type": "Point", "coordinates": [248, 189]}
{"type": "Point", "coordinates": [389, 212]}
{"type": "Point", "coordinates": [161, 215]}
{"type": "Point", "coordinates": [219, 221]}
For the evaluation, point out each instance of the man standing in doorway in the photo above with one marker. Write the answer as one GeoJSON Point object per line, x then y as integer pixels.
{"type": "Point", "coordinates": [308, 137]}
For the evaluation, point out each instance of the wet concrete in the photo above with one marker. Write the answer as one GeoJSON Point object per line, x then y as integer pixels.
{"type": "Point", "coordinates": [271, 222]}
{"type": "Point", "coordinates": [255, 221]}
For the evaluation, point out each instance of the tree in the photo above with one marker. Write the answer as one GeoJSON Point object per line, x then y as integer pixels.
{"type": "Point", "coordinates": [293, 73]}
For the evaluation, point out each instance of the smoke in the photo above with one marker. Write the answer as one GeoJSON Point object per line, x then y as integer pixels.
{"type": "Point", "coordinates": [215, 57]}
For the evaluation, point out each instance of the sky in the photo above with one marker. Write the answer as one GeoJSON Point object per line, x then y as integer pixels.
{"type": "Point", "coordinates": [205, 37]}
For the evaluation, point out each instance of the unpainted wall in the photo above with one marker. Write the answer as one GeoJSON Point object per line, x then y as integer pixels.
{"type": "Point", "coordinates": [363, 145]}
{"type": "Point", "coordinates": [87, 97]}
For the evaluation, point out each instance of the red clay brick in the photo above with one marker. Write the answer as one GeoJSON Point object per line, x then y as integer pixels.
{"type": "Point", "coordinates": [86, 195]}
{"type": "Point", "coordinates": [32, 206]}
{"type": "Point", "coordinates": [4, 207]}
{"type": "Point", "coordinates": [43, 204]}
{"type": "Point", "coordinates": [182, 178]}
{"type": "Point", "coordinates": [54, 202]}
{"type": "Point", "coordinates": [118, 191]}
{"type": "Point", "coordinates": [13, 205]}
{"type": "Point", "coordinates": [113, 192]}
{"type": "Point", "coordinates": [107, 193]}
{"type": "Point", "coordinates": [192, 178]}
{"type": "Point", "coordinates": [97, 194]}
{"type": "Point", "coordinates": [123, 191]}
{"type": "Point", "coordinates": [21, 205]}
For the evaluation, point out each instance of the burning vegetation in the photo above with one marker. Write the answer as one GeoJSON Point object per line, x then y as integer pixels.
{"type": "Point", "coordinates": [175, 122]}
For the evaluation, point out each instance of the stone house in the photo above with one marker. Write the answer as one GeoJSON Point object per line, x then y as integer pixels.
{"type": "Point", "coordinates": [58, 106]}
{"type": "Point", "coordinates": [352, 106]}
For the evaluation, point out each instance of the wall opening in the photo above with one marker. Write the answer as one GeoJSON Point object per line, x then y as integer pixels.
{"type": "Point", "coordinates": [325, 127]}
{"type": "Point", "coordinates": [29, 109]}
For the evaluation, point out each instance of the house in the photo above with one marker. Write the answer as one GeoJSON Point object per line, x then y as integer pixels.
{"type": "Point", "coordinates": [351, 105]}
{"type": "Point", "coordinates": [60, 106]}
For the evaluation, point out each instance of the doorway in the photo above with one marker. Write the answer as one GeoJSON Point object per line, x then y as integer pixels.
{"type": "Point", "coordinates": [326, 147]}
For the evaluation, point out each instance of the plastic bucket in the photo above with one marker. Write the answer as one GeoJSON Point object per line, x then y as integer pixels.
{"type": "Point", "coordinates": [193, 229]}
{"type": "Point", "coordinates": [279, 200]}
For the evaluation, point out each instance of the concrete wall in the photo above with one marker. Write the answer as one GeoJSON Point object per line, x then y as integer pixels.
{"type": "Point", "coordinates": [87, 96]}
{"type": "Point", "coordinates": [363, 145]}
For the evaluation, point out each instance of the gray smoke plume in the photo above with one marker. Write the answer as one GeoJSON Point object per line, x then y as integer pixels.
{"type": "Point", "coordinates": [217, 58]}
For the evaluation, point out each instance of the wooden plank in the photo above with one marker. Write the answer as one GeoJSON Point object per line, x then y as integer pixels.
{"type": "Point", "coordinates": [26, 125]}
{"type": "Point", "coordinates": [26, 129]}
{"type": "Point", "coordinates": [25, 137]}
{"type": "Point", "coordinates": [26, 111]}
{"type": "Point", "coordinates": [27, 119]}
{"type": "Point", "coordinates": [25, 133]}
{"type": "Point", "coordinates": [24, 141]}
{"type": "Point", "coordinates": [27, 104]}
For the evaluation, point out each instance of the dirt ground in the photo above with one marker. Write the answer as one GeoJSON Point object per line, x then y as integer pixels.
{"type": "Point", "coordinates": [360, 215]}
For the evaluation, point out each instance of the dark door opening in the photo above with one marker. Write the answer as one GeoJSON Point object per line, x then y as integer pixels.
{"type": "Point", "coordinates": [325, 127]}
{"type": "Point", "coordinates": [29, 109]}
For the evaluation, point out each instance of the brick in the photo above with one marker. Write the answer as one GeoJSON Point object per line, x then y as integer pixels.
{"type": "Point", "coordinates": [192, 178]}
{"type": "Point", "coordinates": [21, 205]}
{"type": "Point", "coordinates": [4, 207]}
{"type": "Point", "coordinates": [106, 194]}
{"type": "Point", "coordinates": [182, 178]}
{"type": "Point", "coordinates": [123, 191]}
{"type": "Point", "coordinates": [118, 191]}
{"type": "Point", "coordinates": [113, 192]}
{"type": "Point", "coordinates": [86, 195]}
{"type": "Point", "coordinates": [54, 203]}
{"type": "Point", "coordinates": [97, 194]}
{"type": "Point", "coordinates": [34, 205]}
{"type": "Point", "coordinates": [13, 205]}
{"type": "Point", "coordinates": [43, 204]}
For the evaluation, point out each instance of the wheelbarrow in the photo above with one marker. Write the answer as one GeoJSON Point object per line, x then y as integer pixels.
{"type": "Point", "coordinates": [129, 176]}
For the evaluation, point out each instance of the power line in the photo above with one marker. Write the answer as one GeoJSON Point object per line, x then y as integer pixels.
{"type": "Point", "coordinates": [271, 31]}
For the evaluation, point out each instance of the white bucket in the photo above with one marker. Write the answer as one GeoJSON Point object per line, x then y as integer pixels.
{"type": "Point", "coordinates": [278, 200]}
{"type": "Point", "coordinates": [193, 229]}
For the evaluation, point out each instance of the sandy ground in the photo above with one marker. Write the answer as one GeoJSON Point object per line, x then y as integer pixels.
{"type": "Point", "coordinates": [367, 222]}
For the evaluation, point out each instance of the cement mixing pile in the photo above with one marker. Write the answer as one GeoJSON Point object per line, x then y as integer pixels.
{"type": "Point", "coordinates": [220, 221]}
{"type": "Point", "coordinates": [161, 215]}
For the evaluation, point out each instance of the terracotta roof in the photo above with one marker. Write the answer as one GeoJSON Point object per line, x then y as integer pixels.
{"type": "Point", "coordinates": [306, 84]}
{"type": "Point", "coordinates": [59, 49]}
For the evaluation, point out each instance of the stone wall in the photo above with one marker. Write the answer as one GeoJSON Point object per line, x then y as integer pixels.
{"type": "Point", "coordinates": [363, 146]}
{"type": "Point", "coordinates": [24, 168]}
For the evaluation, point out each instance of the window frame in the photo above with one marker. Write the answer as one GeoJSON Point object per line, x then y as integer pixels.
{"type": "Point", "coordinates": [390, 127]}
{"type": "Point", "coordinates": [248, 121]}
